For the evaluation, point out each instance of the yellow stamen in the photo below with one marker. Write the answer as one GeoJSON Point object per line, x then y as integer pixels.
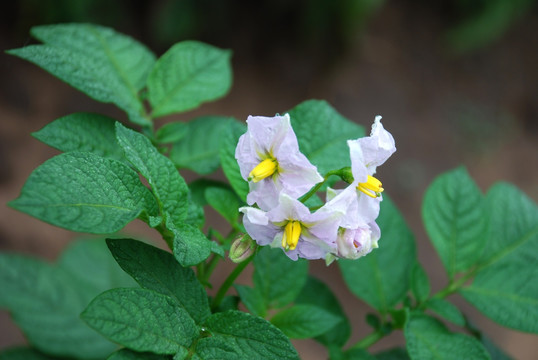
{"type": "Point", "coordinates": [292, 232]}
{"type": "Point", "coordinates": [264, 169]}
{"type": "Point", "coordinates": [372, 187]}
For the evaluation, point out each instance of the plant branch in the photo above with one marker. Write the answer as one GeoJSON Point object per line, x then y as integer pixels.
{"type": "Point", "coordinates": [229, 282]}
{"type": "Point", "coordinates": [370, 339]}
{"type": "Point", "coordinates": [315, 189]}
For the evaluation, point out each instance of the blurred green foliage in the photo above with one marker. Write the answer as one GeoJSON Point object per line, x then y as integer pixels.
{"type": "Point", "coordinates": [482, 22]}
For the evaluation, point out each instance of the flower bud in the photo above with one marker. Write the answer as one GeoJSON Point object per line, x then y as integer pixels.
{"type": "Point", "coordinates": [242, 248]}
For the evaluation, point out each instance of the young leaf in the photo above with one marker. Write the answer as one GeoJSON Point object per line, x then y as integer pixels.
{"type": "Point", "coordinates": [23, 353]}
{"type": "Point", "coordinates": [399, 317]}
{"type": "Point", "coordinates": [252, 299]}
{"type": "Point", "coordinates": [84, 192]}
{"type": "Point", "coordinates": [230, 137]}
{"type": "Point", "coordinates": [315, 292]}
{"type": "Point", "coordinates": [420, 284]}
{"type": "Point", "coordinates": [126, 354]}
{"type": "Point", "coordinates": [304, 321]}
{"type": "Point", "coordinates": [82, 132]}
{"type": "Point", "coordinates": [158, 270]}
{"type": "Point", "coordinates": [429, 339]}
{"type": "Point", "coordinates": [141, 320]}
{"type": "Point", "coordinates": [167, 185]}
{"type": "Point", "coordinates": [188, 74]}
{"type": "Point", "coordinates": [505, 287]}
{"type": "Point", "coordinates": [385, 272]}
{"type": "Point", "coordinates": [46, 300]}
{"type": "Point", "coordinates": [199, 151]}
{"type": "Point", "coordinates": [322, 133]}
{"type": "Point", "coordinates": [225, 202]}
{"type": "Point", "coordinates": [446, 310]}
{"type": "Point", "coordinates": [278, 279]}
{"type": "Point", "coordinates": [107, 66]}
{"type": "Point", "coordinates": [252, 337]}
{"type": "Point", "coordinates": [191, 246]}
{"type": "Point", "coordinates": [454, 217]}
{"type": "Point", "coordinates": [171, 132]}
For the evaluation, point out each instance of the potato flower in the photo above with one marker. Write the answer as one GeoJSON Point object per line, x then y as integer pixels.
{"type": "Point", "coordinates": [269, 159]}
{"type": "Point", "coordinates": [292, 227]}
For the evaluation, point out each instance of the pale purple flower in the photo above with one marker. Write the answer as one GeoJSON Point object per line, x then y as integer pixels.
{"type": "Point", "coordinates": [269, 159]}
{"type": "Point", "coordinates": [292, 227]}
{"type": "Point", "coordinates": [364, 194]}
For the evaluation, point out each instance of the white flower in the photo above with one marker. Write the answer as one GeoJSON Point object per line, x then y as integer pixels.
{"type": "Point", "coordinates": [269, 159]}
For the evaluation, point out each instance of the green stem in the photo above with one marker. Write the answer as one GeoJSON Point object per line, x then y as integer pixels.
{"type": "Point", "coordinates": [209, 267]}
{"type": "Point", "coordinates": [318, 186]}
{"type": "Point", "coordinates": [229, 282]}
{"type": "Point", "coordinates": [453, 286]}
{"type": "Point", "coordinates": [369, 340]}
{"type": "Point", "coordinates": [167, 235]}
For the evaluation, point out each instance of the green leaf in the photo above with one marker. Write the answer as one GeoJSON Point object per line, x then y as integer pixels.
{"type": "Point", "coordinates": [454, 217]}
{"type": "Point", "coordinates": [228, 303]}
{"type": "Point", "coordinates": [252, 337]}
{"type": "Point", "coordinates": [82, 132]}
{"type": "Point", "coordinates": [494, 351]}
{"type": "Point", "coordinates": [315, 292]}
{"type": "Point", "coordinates": [505, 287]}
{"type": "Point", "coordinates": [46, 300]}
{"type": "Point", "coordinates": [384, 273]}
{"type": "Point", "coordinates": [230, 137]}
{"type": "Point", "coordinates": [23, 353]}
{"type": "Point", "coordinates": [141, 320]}
{"type": "Point", "coordinates": [199, 186]}
{"type": "Point", "coordinates": [304, 321]}
{"type": "Point", "coordinates": [84, 192]}
{"type": "Point", "coordinates": [191, 246]}
{"type": "Point", "coordinates": [393, 354]}
{"type": "Point", "coordinates": [399, 317]}
{"type": "Point", "coordinates": [195, 213]}
{"type": "Point", "coordinates": [322, 134]}
{"type": "Point", "coordinates": [252, 299]}
{"type": "Point", "coordinates": [171, 132]}
{"type": "Point", "coordinates": [126, 354]}
{"type": "Point", "coordinates": [79, 260]}
{"type": "Point", "coordinates": [158, 270]}
{"type": "Point", "coordinates": [199, 151]}
{"type": "Point", "coordinates": [420, 284]}
{"type": "Point", "coordinates": [446, 310]}
{"type": "Point", "coordinates": [107, 66]}
{"type": "Point", "coordinates": [277, 278]}
{"type": "Point", "coordinates": [428, 339]}
{"type": "Point", "coordinates": [215, 348]}
{"type": "Point", "coordinates": [167, 185]}
{"type": "Point", "coordinates": [188, 74]}
{"type": "Point", "coordinates": [225, 201]}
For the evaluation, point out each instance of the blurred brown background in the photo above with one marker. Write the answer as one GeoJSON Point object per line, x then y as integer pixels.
{"type": "Point", "coordinates": [456, 82]}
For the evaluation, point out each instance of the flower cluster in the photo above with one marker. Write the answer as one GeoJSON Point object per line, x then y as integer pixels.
{"type": "Point", "coordinates": [279, 174]}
